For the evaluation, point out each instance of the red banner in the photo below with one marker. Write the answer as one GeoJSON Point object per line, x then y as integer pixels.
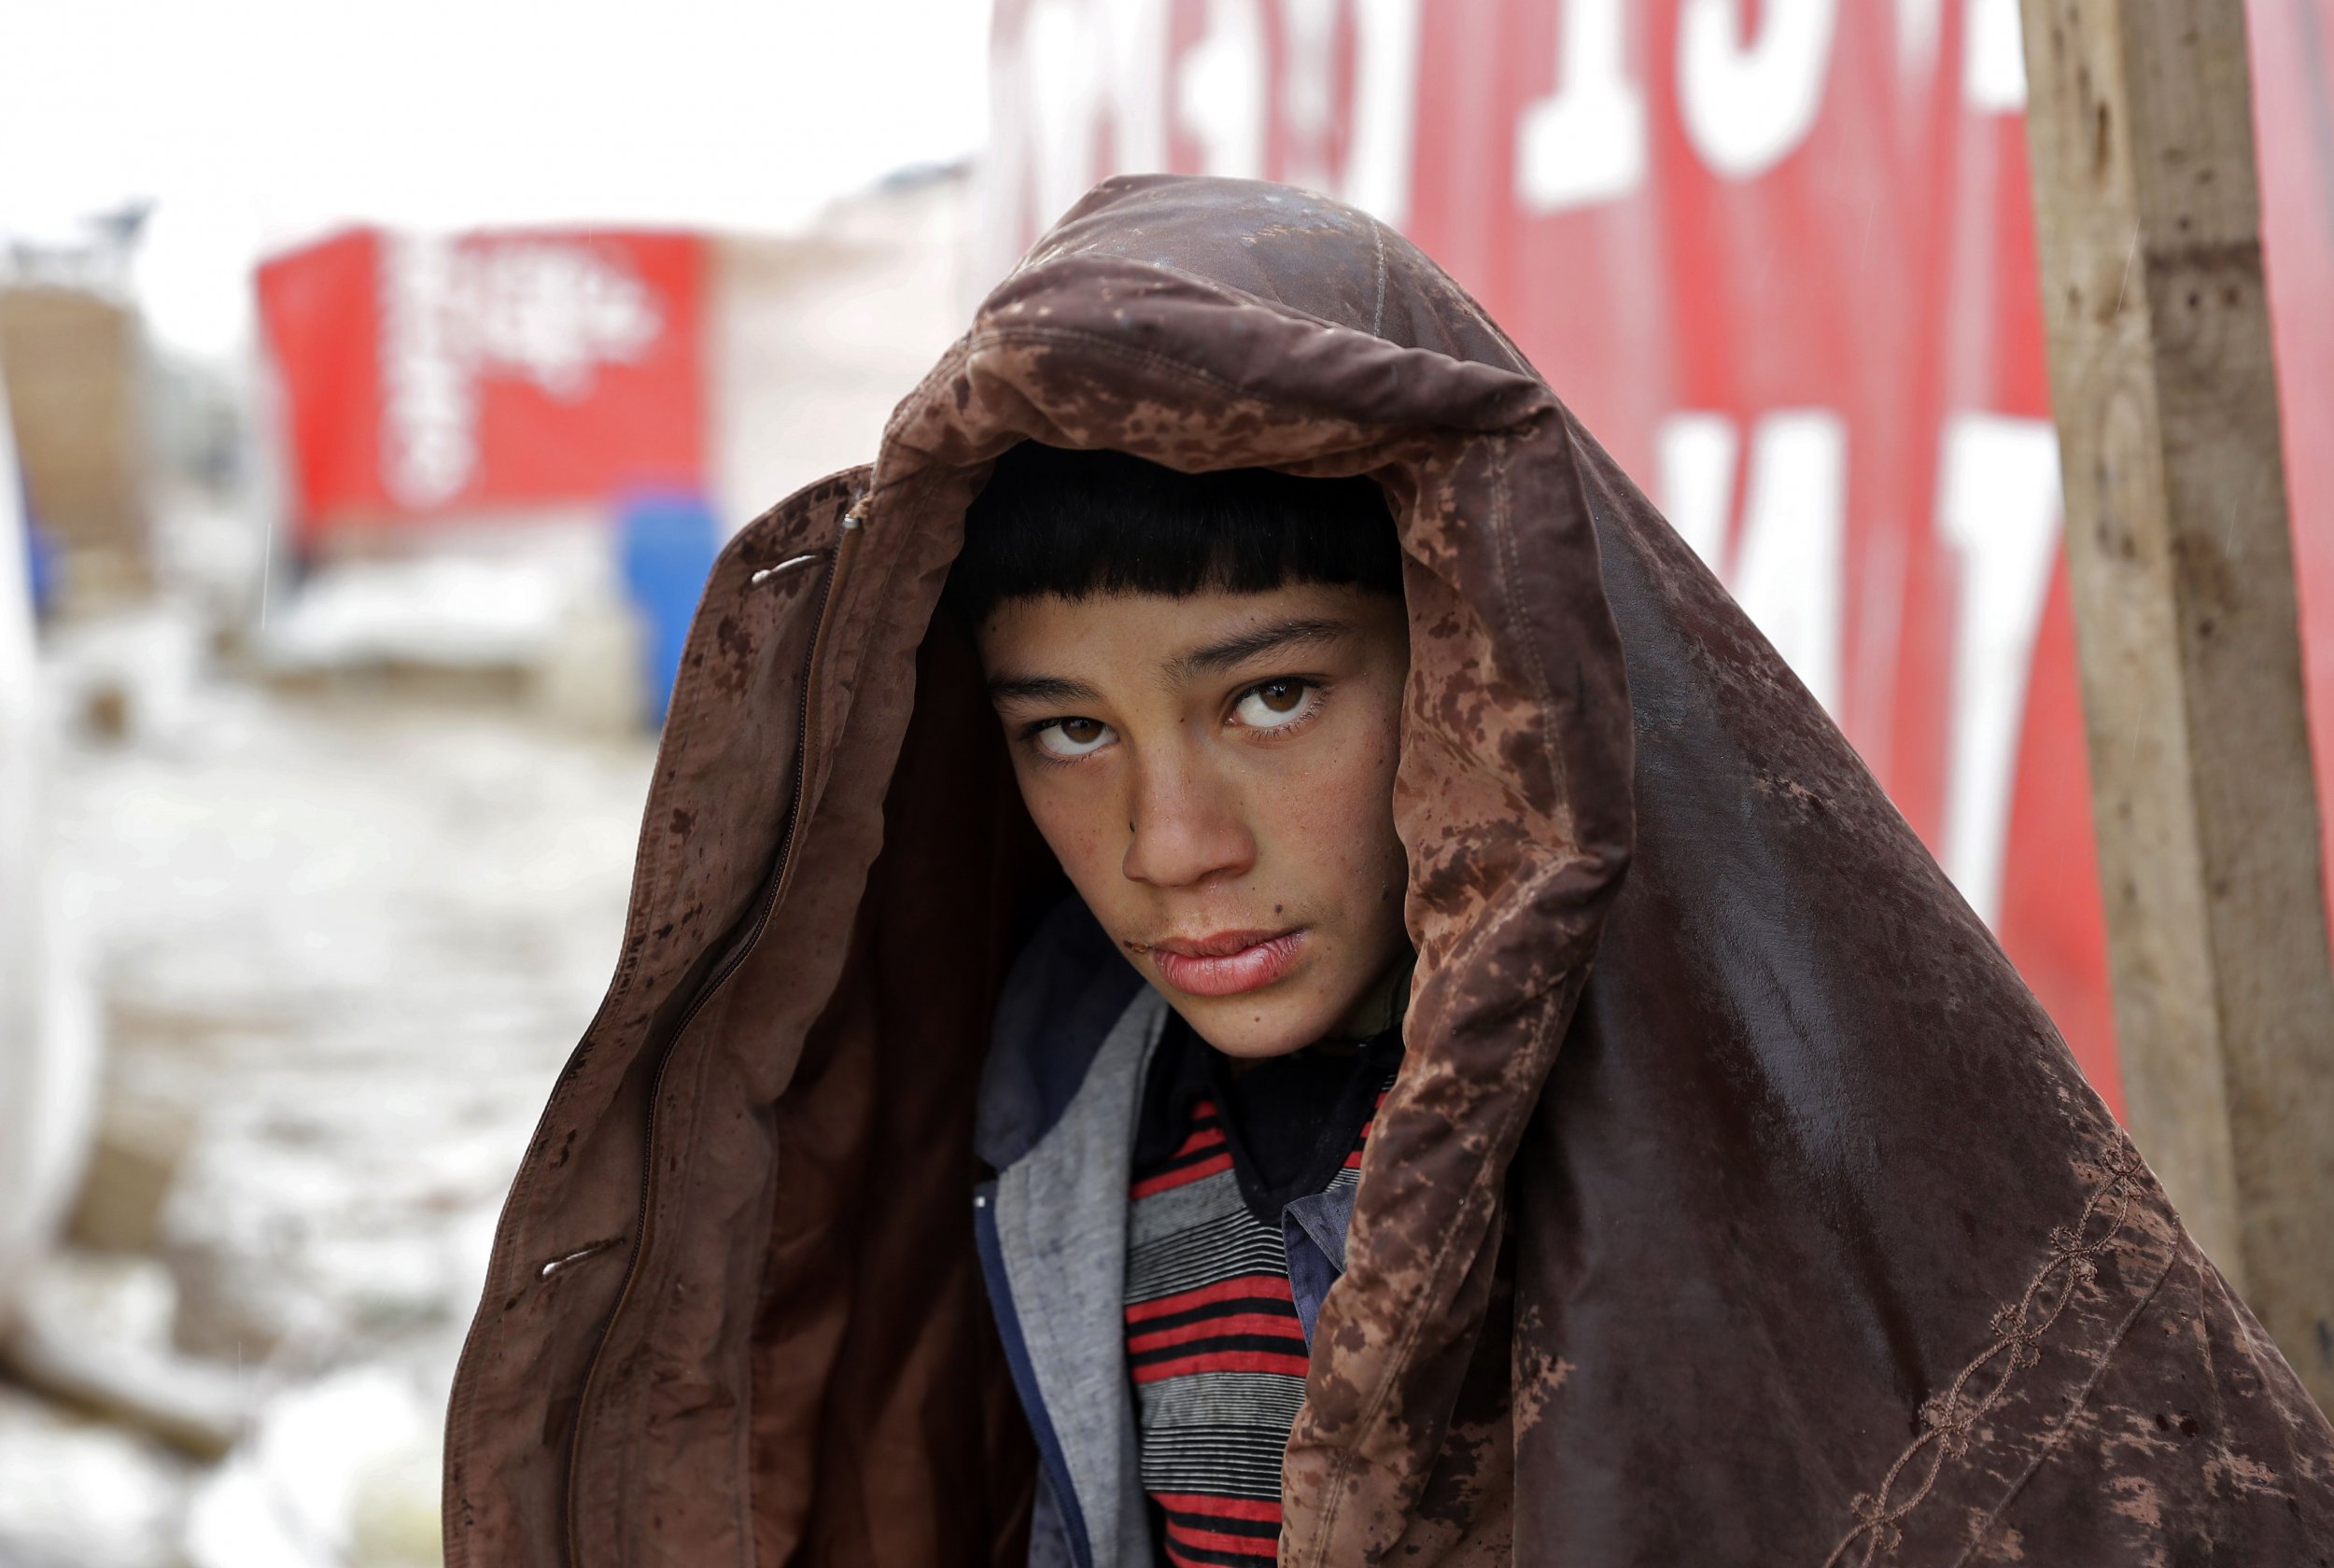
{"type": "Point", "coordinates": [1780, 255]}
{"type": "Point", "coordinates": [424, 376]}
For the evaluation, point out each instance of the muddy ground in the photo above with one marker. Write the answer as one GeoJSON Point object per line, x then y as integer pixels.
{"type": "Point", "coordinates": [342, 939]}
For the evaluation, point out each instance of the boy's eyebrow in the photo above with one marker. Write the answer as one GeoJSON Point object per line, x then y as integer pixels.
{"type": "Point", "coordinates": [1217, 657]}
{"type": "Point", "coordinates": [1042, 689]}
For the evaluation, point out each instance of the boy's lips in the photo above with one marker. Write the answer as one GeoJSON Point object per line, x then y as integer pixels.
{"type": "Point", "coordinates": [1224, 963]}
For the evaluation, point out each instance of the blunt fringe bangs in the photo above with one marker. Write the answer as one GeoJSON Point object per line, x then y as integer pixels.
{"type": "Point", "coordinates": [1075, 525]}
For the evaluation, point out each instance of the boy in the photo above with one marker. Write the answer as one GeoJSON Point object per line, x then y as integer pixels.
{"type": "Point", "coordinates": [1199, 681]}
{"type": "Point", "coordinates": [1732, 1201]}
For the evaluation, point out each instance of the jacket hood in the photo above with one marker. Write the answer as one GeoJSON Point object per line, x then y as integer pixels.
{"type": "Point", "coordinates": [1735, 1203]}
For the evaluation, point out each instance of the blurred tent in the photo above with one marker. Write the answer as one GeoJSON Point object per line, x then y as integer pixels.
{"type": "Point", "coordinates": [1780, 258]}
{"type": "Point", "coordinates": [429, 376]}
{"type": "Point", "coordinates": [436, 380]}
{"type": "Point", "coordinates": [468, 418]}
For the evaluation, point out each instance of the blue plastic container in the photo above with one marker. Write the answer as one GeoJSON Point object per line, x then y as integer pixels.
{"type": "Point", "coordinates": [665, 541]}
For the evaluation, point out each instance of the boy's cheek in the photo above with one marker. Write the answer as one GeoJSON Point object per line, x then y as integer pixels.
{"type": "Point", "coordinates": [1079, 832]}
{"type": "Point", "coordinates": [1068, 829]}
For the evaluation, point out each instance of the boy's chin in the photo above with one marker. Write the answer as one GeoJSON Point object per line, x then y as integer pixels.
{"type": "Point", "coordinates": [1254, 1029]}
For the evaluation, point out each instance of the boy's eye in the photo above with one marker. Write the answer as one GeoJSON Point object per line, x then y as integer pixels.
{"type": "Point", "coordinates": [1073, 737]}
{"type": "Point", "coordinates": [1272, 704]}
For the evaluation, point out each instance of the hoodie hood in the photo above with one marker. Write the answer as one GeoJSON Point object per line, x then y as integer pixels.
{"type": "Point", "coordinates": [1736, 1202]}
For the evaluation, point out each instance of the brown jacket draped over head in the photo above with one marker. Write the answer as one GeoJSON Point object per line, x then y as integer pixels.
{"type": "Point", "coordinates": [1736, 1203]}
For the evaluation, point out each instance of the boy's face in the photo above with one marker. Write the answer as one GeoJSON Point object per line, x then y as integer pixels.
{"type": "Point", "coordinates": [1216, 774]}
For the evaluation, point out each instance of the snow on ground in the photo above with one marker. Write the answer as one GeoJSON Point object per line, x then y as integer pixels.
{"type": "Point", "coordinates": [344, 941]}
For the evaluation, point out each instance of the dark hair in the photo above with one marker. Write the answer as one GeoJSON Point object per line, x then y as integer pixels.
{"type": "Point", "coordinates": [1078, 523]}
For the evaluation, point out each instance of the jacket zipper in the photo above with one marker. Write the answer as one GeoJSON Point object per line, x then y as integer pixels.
{"type": "Point", "coordinates": [746, 944]}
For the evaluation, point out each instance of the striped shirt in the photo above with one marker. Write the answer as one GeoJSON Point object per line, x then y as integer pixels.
{"type": "Point", "coordinates": [1214, 1343]}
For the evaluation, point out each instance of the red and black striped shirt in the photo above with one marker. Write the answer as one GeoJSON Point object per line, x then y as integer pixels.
{"type": "Point", "coordinates": [1214, 1343]}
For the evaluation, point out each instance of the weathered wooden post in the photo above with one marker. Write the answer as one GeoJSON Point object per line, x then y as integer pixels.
{"type": "Point", "coordinates": [2140, 123]}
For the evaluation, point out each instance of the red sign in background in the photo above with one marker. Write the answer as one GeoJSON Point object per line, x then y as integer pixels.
{"type": "Point", "coordinates": [423, 377]}
{"type": "Point", "coordinates": [1780, 255]}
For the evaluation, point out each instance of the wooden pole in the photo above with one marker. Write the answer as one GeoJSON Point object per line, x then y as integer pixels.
{"type": "Point", "coordinates": [2140, 126]}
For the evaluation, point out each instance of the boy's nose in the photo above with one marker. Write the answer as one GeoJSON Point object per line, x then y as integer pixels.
{"type": "Point", "coordinates": [1184, 828]}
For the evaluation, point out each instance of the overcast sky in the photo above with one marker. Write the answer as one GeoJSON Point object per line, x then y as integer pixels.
{"type": "Point", "coordinates": [254, 123]}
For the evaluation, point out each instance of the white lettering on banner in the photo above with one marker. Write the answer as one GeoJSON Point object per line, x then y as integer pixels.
{"type": "Point", "coordinates": [1999, 507]}
{"type": "Point", "coordinates": [1695, 458]}
{"type": "Point", "coordinates": [1746, 106]}
{"type": "Point", "coordinates": [547, 312]}
{"type": "Point", "coordinates": [1376, 176]}
{"type": "Point", "coordinates": [1070, 61]}
{"type": "Point", "coordinates": [1220, 90]}
{"type": "Point", "coordinates": [553, 312]}
{"type": "Point", "coordinates": [1993, 58]}
{"type": "Point", "coordinates": [430, 404]}
{"type": "Point", "coordinates": [1787, 568]}
{"type": "Point", "coordinates": [1385, 108]}
{"type": "Point", "coordinates": [1586, 142]}
{"type": "Point", "coordinates": [1048, 82]}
